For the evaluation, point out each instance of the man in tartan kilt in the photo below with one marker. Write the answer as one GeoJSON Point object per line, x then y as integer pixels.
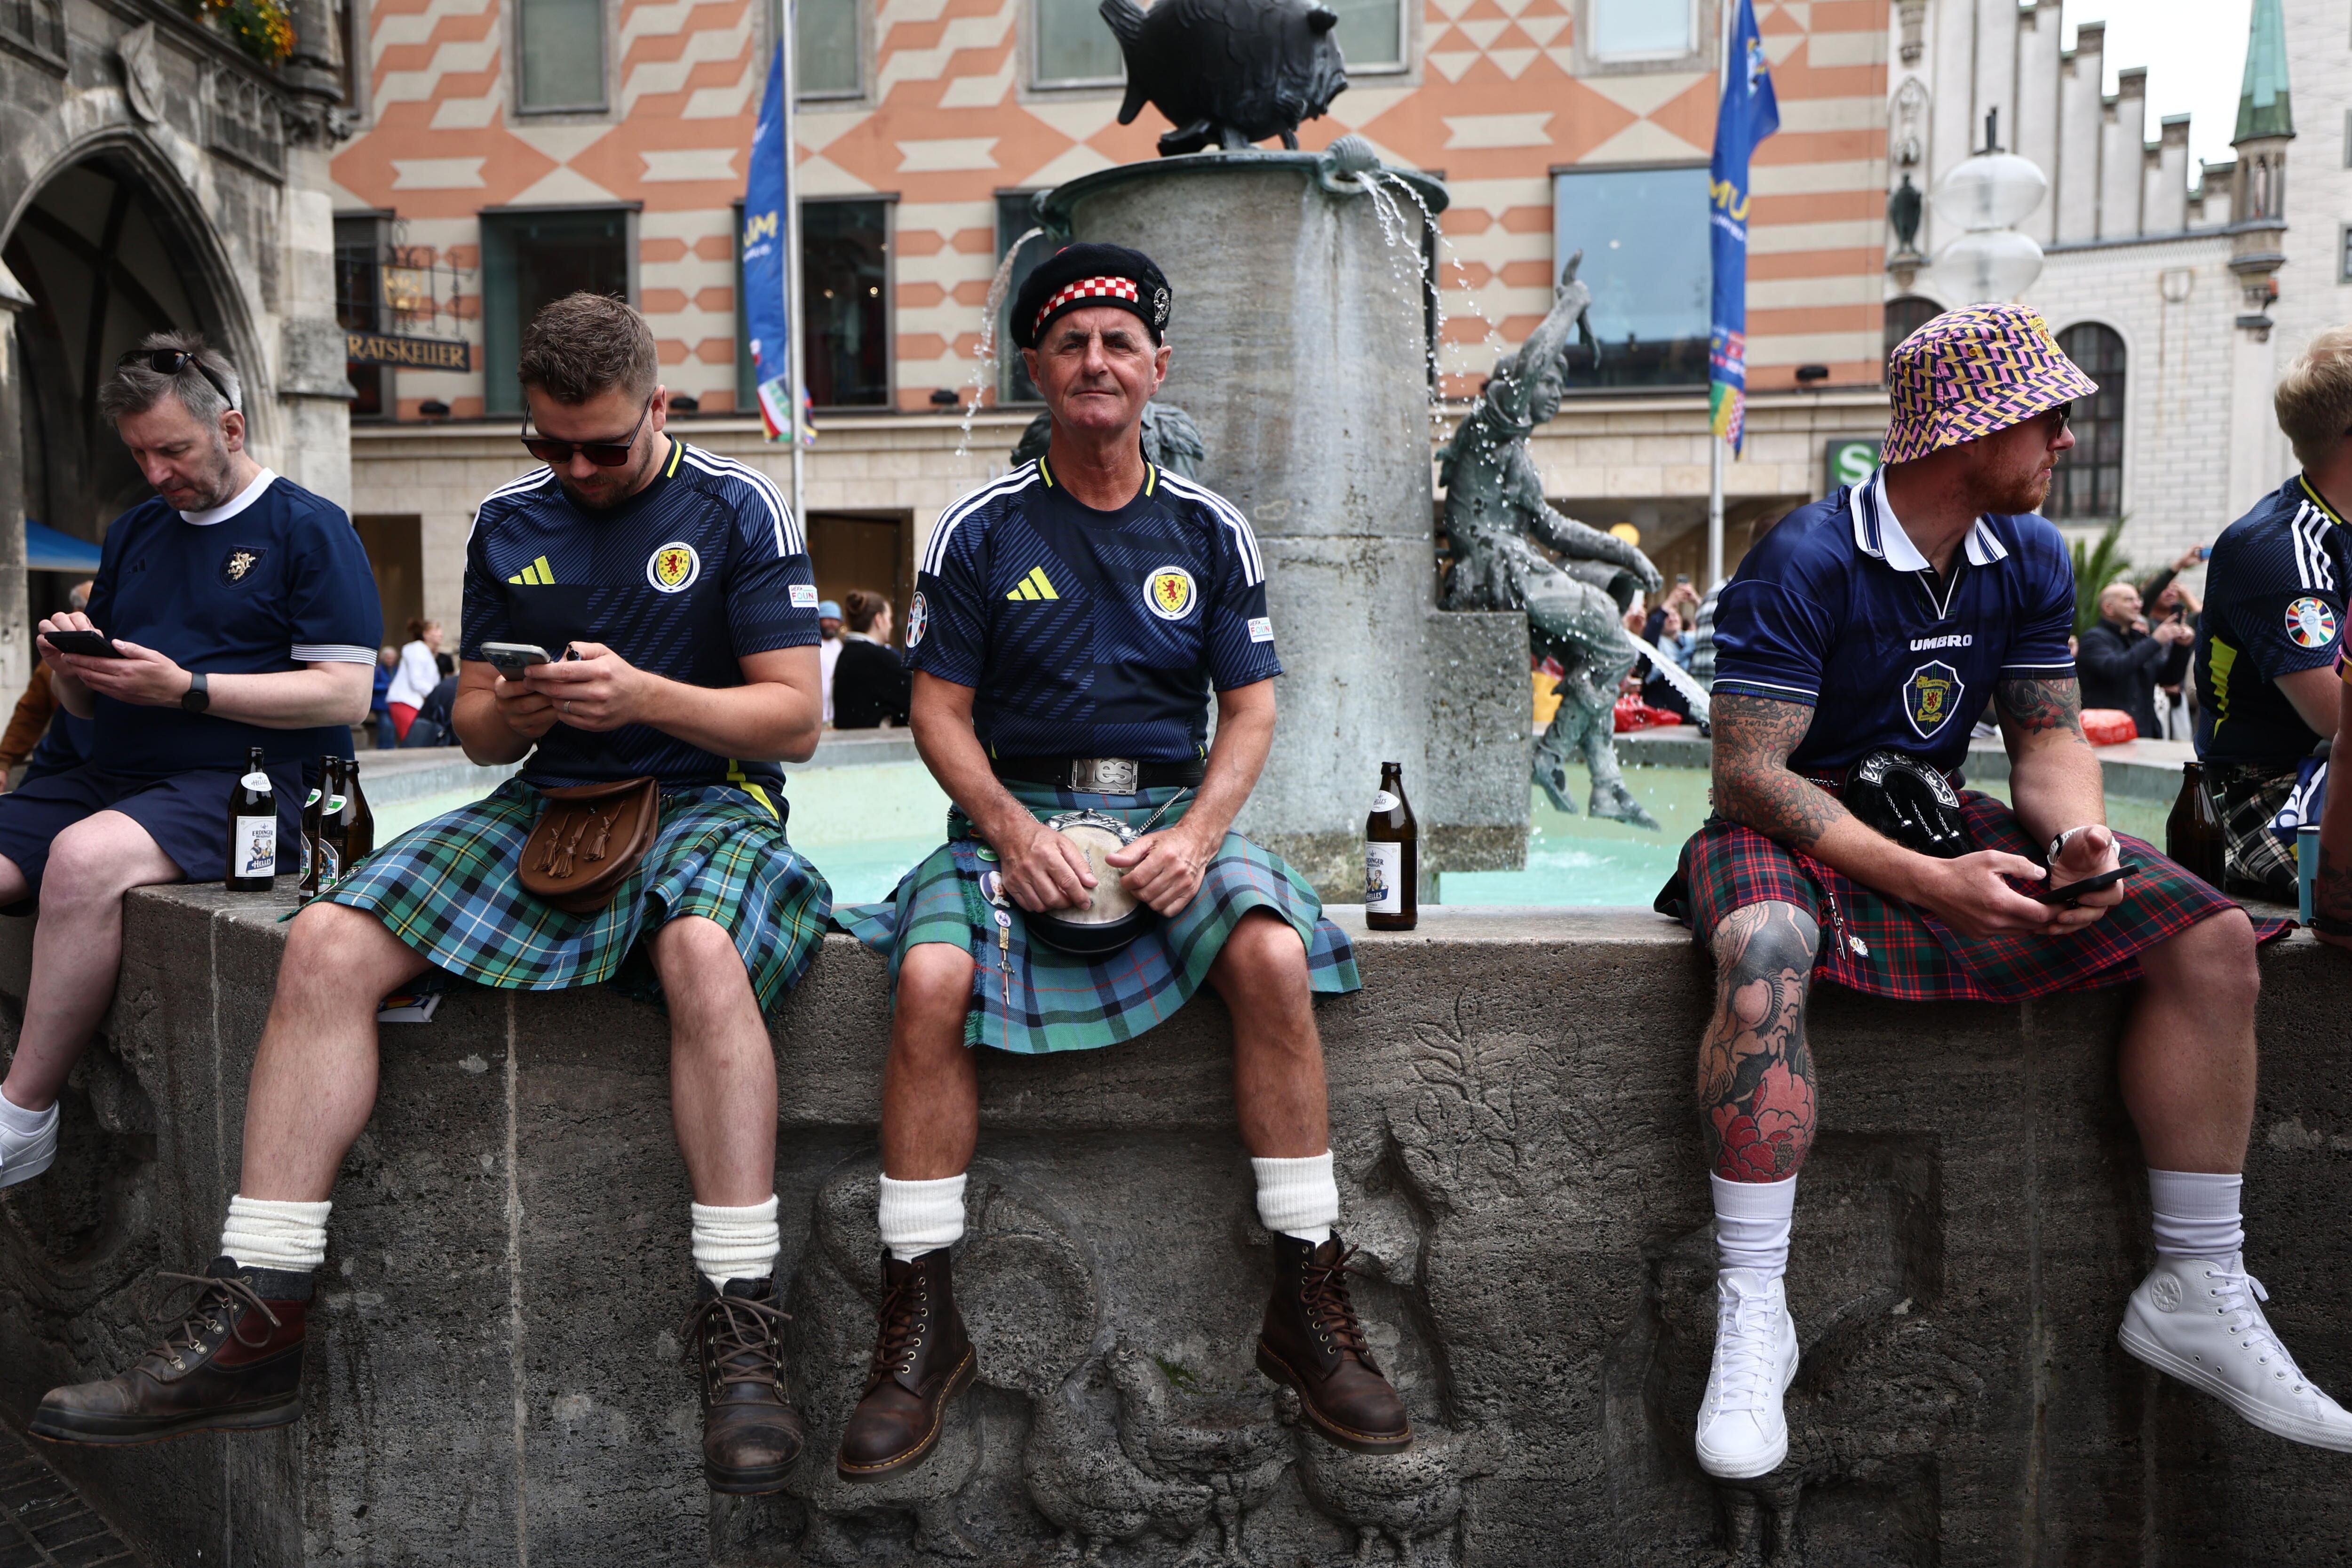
{"type": "Point", "coordinates": [1857, 644]}
{"type": "Point", "coordinates": [1070, 622]}
{"type": "Point", "coordinates": [693, 582]}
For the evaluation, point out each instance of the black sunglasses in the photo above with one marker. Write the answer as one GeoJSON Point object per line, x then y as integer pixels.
{"type": "Point", "coordinates": [603, 454]}
{"type": "Point", "coordinates": [172, 362]}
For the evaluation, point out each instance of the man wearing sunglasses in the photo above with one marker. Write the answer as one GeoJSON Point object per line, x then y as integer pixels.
{"type": "Point", "coordinates": [673, 589]}
{"type": "Point", "coordinates": [242, 613]}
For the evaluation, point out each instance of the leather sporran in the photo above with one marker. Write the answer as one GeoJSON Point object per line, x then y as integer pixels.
{"type": "Point", "coordinates": [1112, 917]}
{"type": "Point", "coordinates": [1908, 801]}
{"type": "Point", "coordinates": [587, 841]}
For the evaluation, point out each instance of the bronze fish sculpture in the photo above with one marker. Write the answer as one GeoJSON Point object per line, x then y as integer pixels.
{"type": "Point", "coordinates": [1227, 73]}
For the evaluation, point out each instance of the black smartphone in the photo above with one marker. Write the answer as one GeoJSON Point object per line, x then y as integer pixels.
{"type": "Point", "coordinates": [93, 645]}
{"type": "Point", "coordinates": [2072, 891]}
{"type": "Point", "coordinates": [512, 658]}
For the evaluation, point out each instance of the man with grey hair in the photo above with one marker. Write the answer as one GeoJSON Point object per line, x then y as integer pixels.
{"type": "Point", "coordinates": [236, 614]}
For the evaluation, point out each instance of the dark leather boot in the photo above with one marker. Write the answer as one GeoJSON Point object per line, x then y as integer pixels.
{"type": "Point", "coordinates": [922, 1359]}
{"type": "Point", "coordinates": [1313, 1343]}
{"type": "Point", "coordinates": [750, 1433]}
{"type": "Point", "coordinates": [234, 1364]}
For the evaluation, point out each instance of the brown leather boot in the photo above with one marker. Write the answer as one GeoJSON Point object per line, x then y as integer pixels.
{"type": "Point", "coordinates": [922, 1359]}
{"type": "Point", "coordinates": [1313, 1343]}
{"type": "Point", "coordinates": [234, 1364]}
{"type": "Point", "coordinates": [750, 1433]}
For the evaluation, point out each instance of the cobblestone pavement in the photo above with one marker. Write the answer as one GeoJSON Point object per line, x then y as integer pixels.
{"type": "Point", "coordinates": [43, 1523]}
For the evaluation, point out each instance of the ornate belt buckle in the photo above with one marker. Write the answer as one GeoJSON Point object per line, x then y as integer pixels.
{"type": "Point", "coordinates": [1105, 775]}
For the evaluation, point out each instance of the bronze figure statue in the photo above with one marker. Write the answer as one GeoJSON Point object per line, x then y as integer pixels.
{"type": "Point", "coordinates": [1227, 73]}
{"type": "Point", "coordinates": [1494, 507]}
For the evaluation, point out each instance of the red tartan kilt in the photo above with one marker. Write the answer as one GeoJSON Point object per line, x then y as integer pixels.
{"type": "Point", "coordinates": [1884, 947]}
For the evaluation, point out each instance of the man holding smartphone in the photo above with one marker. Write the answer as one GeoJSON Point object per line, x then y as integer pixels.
{"type": "Point", "coordinates": [1858, 644]}
{"type": "Point", "coordinates": [235, 610]}
{"type": "Point", "coordinates": [680, 586]}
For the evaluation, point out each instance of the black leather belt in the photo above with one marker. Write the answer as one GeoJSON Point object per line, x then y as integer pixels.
{"type": "Point", "coordinates": [1099, 775]}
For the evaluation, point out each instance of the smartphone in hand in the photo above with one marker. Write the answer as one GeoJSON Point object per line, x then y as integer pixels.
{"type": "Point", "coordinates": [91, 645]}
{"type": "Point", "coordinates": [2073, 890]}
{"type": "Point", "coordinates": [512, 658]}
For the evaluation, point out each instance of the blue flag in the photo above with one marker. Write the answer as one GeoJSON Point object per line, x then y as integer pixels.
{"type": "Point", "coordinates": [1749, 113]}
{"type": "Point", "coordinates": [767, 274]}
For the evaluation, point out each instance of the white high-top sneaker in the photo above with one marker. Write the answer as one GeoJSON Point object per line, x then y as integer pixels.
{"type": "Point", "coordinates": [1741, 1430]}
{"type": "Point", "coordinates": [2200, 1319]}
{"type": "Point", "coordinates": [23, 1155]}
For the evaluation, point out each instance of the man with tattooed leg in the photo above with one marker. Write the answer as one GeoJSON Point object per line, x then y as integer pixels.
{"type": "Point", "coordinates": [1856, 647]}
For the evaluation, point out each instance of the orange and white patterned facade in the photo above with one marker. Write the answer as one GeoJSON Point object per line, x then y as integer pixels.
{"type": "Point", "coordinates": [1497, 96]}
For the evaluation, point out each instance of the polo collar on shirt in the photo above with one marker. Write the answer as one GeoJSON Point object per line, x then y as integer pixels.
{"type": "Point", "coordinates": [1876, 532]}
{"type": "Point", "coordinates": [236, 503]}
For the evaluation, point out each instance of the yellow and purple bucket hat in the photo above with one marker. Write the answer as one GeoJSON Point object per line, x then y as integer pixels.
{"type": "Point", "coordinates": [1971, 372]}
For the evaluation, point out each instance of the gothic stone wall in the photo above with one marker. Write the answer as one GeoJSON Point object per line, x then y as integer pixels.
{"type": "Point", "coordinates": [495, 1375]}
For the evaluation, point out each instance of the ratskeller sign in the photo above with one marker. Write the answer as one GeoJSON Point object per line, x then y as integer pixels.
{"type": "Point", "coordinates": [409, 354]}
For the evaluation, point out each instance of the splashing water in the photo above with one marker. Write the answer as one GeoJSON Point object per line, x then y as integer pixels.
{"type": "Point", "coordinates": [983, 369]}
{"type": "Point", "coordinates": [1402, 236]}
{"type": "Point", "coordinates": [1447, 256]}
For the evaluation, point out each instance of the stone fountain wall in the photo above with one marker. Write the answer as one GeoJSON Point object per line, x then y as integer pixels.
{"type": "Point", "coordinates": [495, 1375]}
{"type": "Point", "coordinates": [1301, 352]}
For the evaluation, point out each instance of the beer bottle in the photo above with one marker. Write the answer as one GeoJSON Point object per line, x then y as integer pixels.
{"type": "Point", "coordinates": [312, 808]}
{"type": "Point", "coordinates": [327, 853]}
{"type": "Point", "coordinates": [1391, 856]}
{"type": "Point", "coordinates": [252, 830]}
{"type": "Point", "coordinates": [359, 822]}
{"type": "Point", "coordinates": [2192, 834]}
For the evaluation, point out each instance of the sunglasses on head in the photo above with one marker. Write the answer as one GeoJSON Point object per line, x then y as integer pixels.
{"type": "Point", "coordinates": [603, 454]}
{"type": "Point", "coordinates": [172, 362]}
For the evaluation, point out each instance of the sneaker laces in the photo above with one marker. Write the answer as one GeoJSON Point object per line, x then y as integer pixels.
{"type": "Point", "coordinates": [2238, 1294]}
{"type": "Point", "coordinates": [198, 1317]}
{"type": "Point", "coordinates": [1744, 1326]}
{"type": "Point", "coordinates": [735, 1337]}
{"type": "Point", "coordinates": [1323, 1288]}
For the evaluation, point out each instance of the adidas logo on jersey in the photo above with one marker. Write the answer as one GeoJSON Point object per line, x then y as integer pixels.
{"type": "Point", "coordinates": [1035, 586]}
{"type": "Point", "coordinates": [537, 575]}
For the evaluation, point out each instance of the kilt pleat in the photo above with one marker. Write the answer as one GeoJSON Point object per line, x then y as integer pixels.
{"type": "Point", "coordinates": [1032, 999]}
{"type": "Point", "coordinates": [1883, 946]}
{"type": "Point", "coordinates": [447, 888]}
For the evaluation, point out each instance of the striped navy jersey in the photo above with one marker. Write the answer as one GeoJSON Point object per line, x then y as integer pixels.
{"type": "Point", "coordinates": [1835, 609]}
{"type": "Point", "coordinates": [1092, 634]}
{"type": "Point", "coordinates": [2274, 593]}
{"type": "Point", "coordinates": [700, 569]}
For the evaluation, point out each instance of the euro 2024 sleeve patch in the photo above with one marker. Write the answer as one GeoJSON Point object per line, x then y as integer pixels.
{"type": "Point", "coordinates": [2311, 623]}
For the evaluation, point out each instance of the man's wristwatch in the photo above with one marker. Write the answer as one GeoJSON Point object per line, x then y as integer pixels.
{"type": "Point", "coordinates": [196, 697]}
{"type": "Point", "coordinates": [2058, 844]}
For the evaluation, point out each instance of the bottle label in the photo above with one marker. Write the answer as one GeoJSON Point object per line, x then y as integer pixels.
{"type": "Point", "coordinates": [335, 804]}
{"type": "Point", "coordinates": [252, 847]}
{"type": "Point", "coordinates": [1384, 801]}
{"type": "Point", "coordinates": [1384, 879]}
{"type": "Point", "coordinates": [331, 865]}
{"type": "Point", "coordinates": [258, 782]}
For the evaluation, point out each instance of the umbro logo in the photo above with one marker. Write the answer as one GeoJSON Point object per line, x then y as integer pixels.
{"type": "Point", "coordinates": [1035, 586]}
{"type": "Point", "coordinates": [537, 575]}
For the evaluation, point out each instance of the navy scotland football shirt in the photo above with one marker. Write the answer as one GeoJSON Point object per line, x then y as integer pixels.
{"type": "Point", "coordinates": [1087, 633]}
{"type": "Point", "coordinates": [2275, 593]}
{"type": "Point", "coordinates": [701, 568]}
{"type": "Point", "coordinates": [1836, 609]}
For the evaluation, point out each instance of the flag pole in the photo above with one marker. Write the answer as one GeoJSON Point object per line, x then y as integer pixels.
{"type": "Point", "coordinates": [786, 40]}
{"type": "Point", "coordinates": [1729, 16]}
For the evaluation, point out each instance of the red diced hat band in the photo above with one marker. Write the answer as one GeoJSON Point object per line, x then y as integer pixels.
{"type": "Point", "coordinates": [1090, 289]}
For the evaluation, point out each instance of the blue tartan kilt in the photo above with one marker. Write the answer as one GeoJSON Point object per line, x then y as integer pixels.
{"type": "Point", "coordinates": [1031, 998]}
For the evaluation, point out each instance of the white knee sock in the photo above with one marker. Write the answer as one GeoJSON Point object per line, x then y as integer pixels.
{"type": "Point", "coordinates": [269, 1233]}
{"type": "Point", "coordinates": [736, 1243]}
{"type": "Point", "coordinates": [25, 1123]}
{"type": "Point", "coordinates": [921, 1217]}
{"type": "Point", "coordinates": [2196, 1214]}
{"type": "Point", "coordinates": [1297, 1198]}
{"type": "Point", "coordinates": [1753, 1220]}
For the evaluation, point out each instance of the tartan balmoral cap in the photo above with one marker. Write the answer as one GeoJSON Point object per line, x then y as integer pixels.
{"type": "Point", "coordinates": [1080, 275]}
{"type": "Point", "coordinates": [1971, 372]}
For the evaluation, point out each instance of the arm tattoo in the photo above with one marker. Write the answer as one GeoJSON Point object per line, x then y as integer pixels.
{"type": "Point", "coordinates": [1755, 1071]}
{"type": "Point", "coordinates": [1753, 785]}
{"type": "Point", "coordinates": [2033, 706]}
{"type": "Point", "coordinates": [2331, 896]}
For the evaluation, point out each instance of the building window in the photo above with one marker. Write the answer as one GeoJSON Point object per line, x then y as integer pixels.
{"type": "Point", "coordinates": [1016, 214]}
{"type": "Point", "coordinates": [2344, 255]}
{"type": "Point", "coordinates": [360, 243]}
{"type": "Point", "coordinates": [2088, 482]}
{"type": "Point", "coordinates": [1075, 48]}
{"type": "Point", "coordinates": [1641, 29]}
{"type": "Point", "coordinates": [1643, 235]}
{"type": "Point", "coordinates": [825, 48]}
{"type": "Point", "coordinates": [1370, 34]}
{"type": "Point", "coordinates": [844, 310]}
{"type": "Point", "coordinates": [560, 44]}
{"type": "Point", "coordinates": [1906, 315]}
{"type": "Point", "coordinates": [530, 259]}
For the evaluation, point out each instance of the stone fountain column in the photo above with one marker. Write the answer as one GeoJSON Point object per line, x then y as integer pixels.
{"type": "Point", "coordinates": [1301, 351]}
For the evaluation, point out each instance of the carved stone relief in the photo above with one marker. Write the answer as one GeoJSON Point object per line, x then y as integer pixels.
{"type": "Point", "coordinates": [142, 73]}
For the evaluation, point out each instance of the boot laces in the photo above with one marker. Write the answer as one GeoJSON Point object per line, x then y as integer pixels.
{"type": "Point", "coordinates": [1323, 1286]}
{"type": "Point", "coordinates": [1744, 1329]}
{"type": "Point", "coordinates": [202, 1315]}
{"type": "Point", "coordinates": [735, 1336]}
{"type": "Point", "coordinates": [900, 1327]}
{"type": "Point", "coordinates": [2236, 1294]}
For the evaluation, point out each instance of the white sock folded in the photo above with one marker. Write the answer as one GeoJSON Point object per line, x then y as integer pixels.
{"type": "Point", "coordinates": [270, 1232]}
{"type": "Point", "coordinates": [25, 1123]}
{"type": "Point", "coordinates": [921, 1217]}
{"type": "Point", "coordinates": [1752, 1221]}
{"type": "Point", "coordinates": [736, 1243]}
{"type": "Point", "coordinates": [2196, 1214]}
{"type": "Point", "coordinates": [1297, 1198]}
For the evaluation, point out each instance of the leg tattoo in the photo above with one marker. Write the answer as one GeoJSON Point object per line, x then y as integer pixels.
{"type": "Point", "coordinates": [1754, 1073]}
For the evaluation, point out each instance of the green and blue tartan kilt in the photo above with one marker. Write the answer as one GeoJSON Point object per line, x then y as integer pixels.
{"type": "Point", "coordinates": [1033, 998]}
{"type": "Point", "coordinates": [1883, 946]}
{"type": "Point", "coordinates": [447, 888]}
